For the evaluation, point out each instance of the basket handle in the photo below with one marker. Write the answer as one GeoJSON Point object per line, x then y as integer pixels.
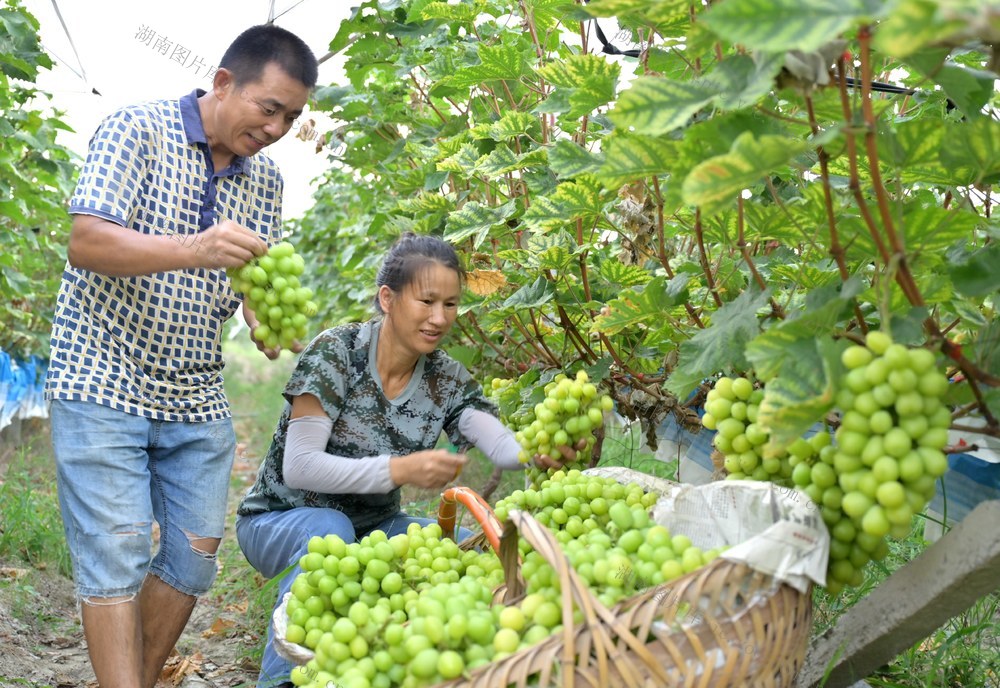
{"type": "Point", "coordinates": [476, 505]}
{"type": "Point", "coordinates": [597, 617]}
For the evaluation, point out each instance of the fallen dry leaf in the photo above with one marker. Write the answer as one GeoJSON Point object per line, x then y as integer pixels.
{"type": "Point", "coordinates": [238, 607]}
{"type": "Point", "coordinates": [177, 668]}
{"type": "Point", "coordinates": [11, 573]}
{"type": "Point", "coordinates": [219, 627]}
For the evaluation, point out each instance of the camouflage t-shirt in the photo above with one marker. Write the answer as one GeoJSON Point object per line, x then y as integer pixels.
{"type": "Point", "coordinates": [338, 368]}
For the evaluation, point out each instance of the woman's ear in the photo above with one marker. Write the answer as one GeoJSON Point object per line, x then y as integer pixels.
{"type": "Point", "coordinates": [385, 295]}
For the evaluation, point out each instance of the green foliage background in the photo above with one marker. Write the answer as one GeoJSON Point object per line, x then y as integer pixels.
{"type": "Point", "coordinates": [738, 196]}
{"type": "Point", "coordinates": [36, 179]}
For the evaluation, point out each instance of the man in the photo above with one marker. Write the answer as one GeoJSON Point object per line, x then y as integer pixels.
{"type": "Point", "coordinates": [172, 193]}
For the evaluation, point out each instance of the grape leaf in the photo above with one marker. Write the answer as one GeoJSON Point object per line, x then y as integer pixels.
{"type": "Point", "coordinates": [641, 305]}
{"type": "Point", "coordinates": [512, 125]}
{"type": "Point", "coordinates": [476, 219]}
{"type": "Point", "coordinates": [720, 346]}
{"type": "Point", "coordinates": [716, 182]}
{"type": "Point", "coordinates": [780, 25]}
{"type": "Point", "coordinates": [654, 105]}
{"type": "Point", "coordinates": [590, 81]}
{"type": "Point", "coordinates": [569, 160]}
{"type": "Point", "coordinates": [497, 62]}
{"type": "Point", "coordinates": [802, 394]}
{"type": "Point", "coordinates": [621, 275]}
{"type": "Point", "coordinates": [531, 295]}
{"type": "Point", "coordinates": [979, 274]}
{"type": "Point", "coordinates": [630, 157]}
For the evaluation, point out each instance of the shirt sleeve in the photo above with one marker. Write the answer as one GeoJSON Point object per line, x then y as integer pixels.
{"type": "Point", "coordinates": [308, 466]}
{"type": "Point", "coordinates": [110, 181]}
{"type": "Point", "coordinates": [492, 438]}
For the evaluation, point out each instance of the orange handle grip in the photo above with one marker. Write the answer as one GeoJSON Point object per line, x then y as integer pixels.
{"type": "Point", "coordinates": [476, 505]}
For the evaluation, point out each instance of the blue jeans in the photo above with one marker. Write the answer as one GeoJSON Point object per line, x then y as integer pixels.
{"type": "Point", "coordinates": [116, 473]}
{"type": "Point", "coordinates": [274, 540]}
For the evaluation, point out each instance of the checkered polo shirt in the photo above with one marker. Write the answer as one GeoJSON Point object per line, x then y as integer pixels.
{"type": "Point", "coordinates": [150, 345]}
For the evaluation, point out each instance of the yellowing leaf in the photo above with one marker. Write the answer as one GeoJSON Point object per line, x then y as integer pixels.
{"type": "Point", "coordinates": [485, 282]}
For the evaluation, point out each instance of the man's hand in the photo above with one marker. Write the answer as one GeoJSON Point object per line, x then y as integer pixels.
{"type": "Point", "coordinates": [271, 352]}
{"type": "Point", "coordinates": [228, 245]}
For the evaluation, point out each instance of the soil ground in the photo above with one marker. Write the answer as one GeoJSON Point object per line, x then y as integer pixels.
{"type": "Point", "coordinates": [43, 645]}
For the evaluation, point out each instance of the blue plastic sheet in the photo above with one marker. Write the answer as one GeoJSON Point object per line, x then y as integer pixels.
{"type": "Point", "coordinates": [22, 388]}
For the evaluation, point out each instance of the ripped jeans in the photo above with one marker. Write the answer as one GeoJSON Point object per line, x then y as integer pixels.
{"type": "Point", "coordinates": [116, 474]}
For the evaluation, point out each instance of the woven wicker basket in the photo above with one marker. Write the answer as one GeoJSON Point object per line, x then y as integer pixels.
{"type": "Point", "coordinates": [724, 625]}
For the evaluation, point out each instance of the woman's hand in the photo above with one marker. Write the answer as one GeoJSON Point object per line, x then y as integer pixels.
{"type": "Point", "coordinates": [432, 468]}
{"type": "Point", "coordinates": [563, 454]}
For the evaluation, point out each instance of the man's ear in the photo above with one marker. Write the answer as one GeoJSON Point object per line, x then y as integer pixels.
{"type": "Point", "coordinates": [222, 82]}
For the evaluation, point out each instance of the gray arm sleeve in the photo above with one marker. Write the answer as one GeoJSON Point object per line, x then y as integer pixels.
{"type": "Point", "coordinates": [492, 438]}
{"type": "Point", "coordinates": [307, 465]}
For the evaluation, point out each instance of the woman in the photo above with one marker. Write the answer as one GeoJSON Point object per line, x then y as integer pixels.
{"type": "Point", "coordinates": [367, 404]}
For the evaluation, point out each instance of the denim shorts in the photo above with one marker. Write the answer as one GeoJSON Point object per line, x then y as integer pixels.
{"type": "Point", "coordinates": [117, 472]}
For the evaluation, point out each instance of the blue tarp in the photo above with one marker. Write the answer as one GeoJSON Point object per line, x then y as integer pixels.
{"type": "Point", "coordinates": [22, 386]}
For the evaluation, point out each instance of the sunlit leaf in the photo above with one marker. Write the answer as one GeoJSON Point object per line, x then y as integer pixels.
{"type": "Point", "coordinates": [475, 219]}
{"type": "Point", "coordinates": [911, 25]}
{"type": "Point", "coordinates": [652, 12]}
{"type": "Point", "coordinates": [497, 62]}
{"type": "Point", "coordinates": [568, 160]}
{"type": "Point", "coordinates": [512, 125]}
{"type": "Point", "coordinates": [779, 25]}
{"type": "Point", "coordinates": [716, 182]}
{"type": "Point", "coordinates": [462, 13]}
{"type": "Point", "coordinates": [655, 106]}
{"type": "Point", "coordinates": [464, 161]}
{"type": "Point", "coordinates": [581, 199]}
{"type": "Point", "coordinates": [628, 158]}
{"type": "Point", "coordinates": [589, 78]}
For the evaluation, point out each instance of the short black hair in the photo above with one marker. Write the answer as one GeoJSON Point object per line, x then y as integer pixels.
{"type": "Point", "coordinates": [260, 45]}
{"type": "Point", "coordinates": [409, 255]}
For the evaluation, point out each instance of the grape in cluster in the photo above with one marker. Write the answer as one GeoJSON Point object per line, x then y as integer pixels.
{"type": "Point", "coordinates": [574, 501]}
{"type": "Point", "coordinates": [567, 417]}
{"type": "Point", "coordinates": [270, 284]}
{"type": "Point", "coordinates": [370, 610]}
{"type": "Point", "coordinates": [888, 451]}
{"type": "Point", "coordinates": [604, 529]}
{"type": "Point", "coordinates": [731, 410]}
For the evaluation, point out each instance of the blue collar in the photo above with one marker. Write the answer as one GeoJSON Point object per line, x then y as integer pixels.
{"type": "Point", "coordinates": [195, 131]}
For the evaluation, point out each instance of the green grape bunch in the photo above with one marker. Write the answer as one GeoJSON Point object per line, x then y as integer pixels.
{"type": "Point", "coordinates": [270, 284]}
{"type": "Point", "coordinates": [888, 452]}
{"type": "Point", "coordinates": [731, 409]}
{"type": "Point", "coordinates": [567, 417]}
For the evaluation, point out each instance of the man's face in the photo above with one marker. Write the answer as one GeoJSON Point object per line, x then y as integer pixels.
{"type": "Point", "coordinates": [260, 112]}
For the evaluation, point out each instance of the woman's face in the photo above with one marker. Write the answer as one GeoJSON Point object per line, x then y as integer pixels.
{"type": "Point", "coordinates": [423, 312]}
